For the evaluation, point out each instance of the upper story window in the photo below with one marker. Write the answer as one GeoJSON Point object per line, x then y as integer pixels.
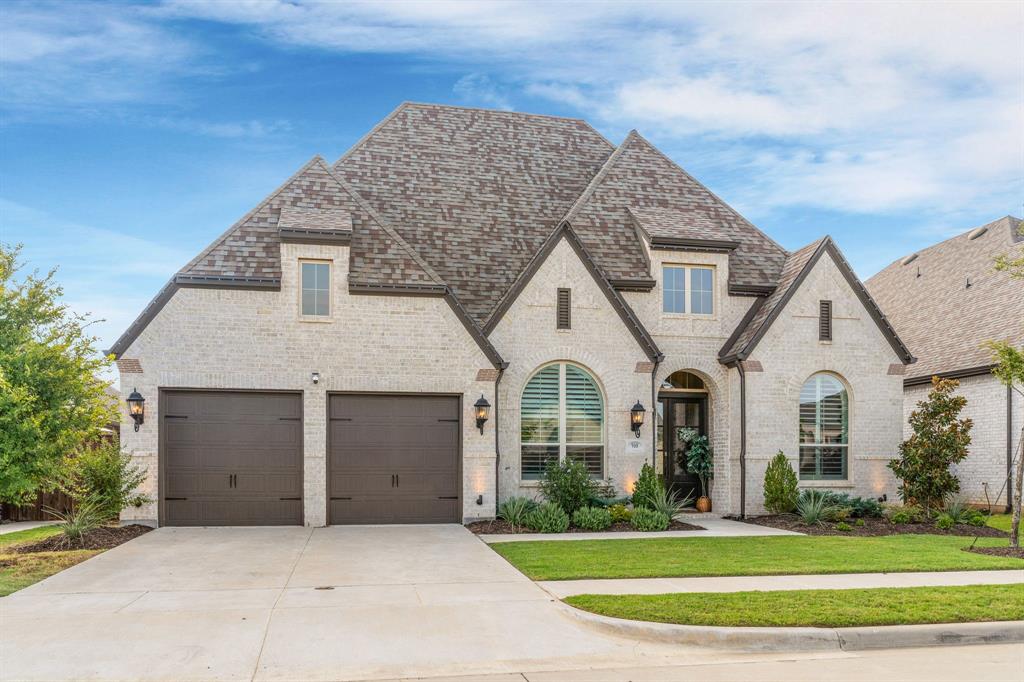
{"type": "Point", "coordinates": [316, 288]}
{"type": "Point", "coordinates": [688, 289]}
{"type": "Point", "coordinates": [824, 428]}
{"type": "Point", "coordinates": [561, 416]}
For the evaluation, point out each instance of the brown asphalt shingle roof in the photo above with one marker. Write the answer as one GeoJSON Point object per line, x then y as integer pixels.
{"type": "Point", "coordinates": [941, 319]}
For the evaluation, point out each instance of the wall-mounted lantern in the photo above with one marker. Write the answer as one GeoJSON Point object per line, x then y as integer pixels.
{"type": "Point", "coordinates": [636, 418]}
{"type": "Point", "coordinates": [137, 407]}
{"type": "Point", "coordinates": [483, 411]}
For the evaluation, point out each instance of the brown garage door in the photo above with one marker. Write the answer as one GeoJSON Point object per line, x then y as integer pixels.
{"type": "Point", "coordinates": [231, 458]}
{"type": "Point", "coordinates": [394, 459]}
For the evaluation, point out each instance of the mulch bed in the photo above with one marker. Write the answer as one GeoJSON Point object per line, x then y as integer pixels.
{"type": "Point", "coordinates": [1017, 552]}
{"type": "Point", "coordinates": [502, 527]}
{"type": "Point", "coordinates": [871, 527]}
{"type": "Point", "coordinates": [105, 537]}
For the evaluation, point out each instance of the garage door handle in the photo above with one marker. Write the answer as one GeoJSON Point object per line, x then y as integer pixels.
{"type": "Point", "coordinates": [447, 420]}
{"type": "Point", "coordinates": [175, 416]}
{"type": "Point", "coordinates": [292, 498]}
{"type": "Point", "coordinates": [341, 498]}
{"type": "Point", "coordinates": [453, 497]}
{"type": "Point", "coordinates": [174, 498]}
{"type": "Point", "coordinates": [289, 419]}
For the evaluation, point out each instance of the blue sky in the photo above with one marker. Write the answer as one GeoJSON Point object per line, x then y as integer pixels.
{"type": "Point", "coordinates": [131, 135]}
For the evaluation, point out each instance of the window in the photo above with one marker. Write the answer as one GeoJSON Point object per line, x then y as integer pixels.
{"type": "Point", "coordinates": [824, 320]}
{"type": "Point", "coordinates": [564, 313]}
{"type": "Point", "coordinates": [561, 416]}
{"type": "Point", "coordinates": [316, 289]}
{"type": "Point", "coordinates": [702, 286]}
{"type": "Point", "coordinates": [824, 428]}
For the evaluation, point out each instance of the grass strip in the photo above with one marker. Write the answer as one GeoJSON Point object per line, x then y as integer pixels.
{"type": "Point", "coordinates": [789, 555]}
{"type": "Point", "coordinates": [816, 608]}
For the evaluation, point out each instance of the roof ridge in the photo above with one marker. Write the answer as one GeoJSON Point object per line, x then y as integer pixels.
{"type": "Point", "coordinates": [370, 133]}
{"type": "Point", "coordinates": [598, 178]}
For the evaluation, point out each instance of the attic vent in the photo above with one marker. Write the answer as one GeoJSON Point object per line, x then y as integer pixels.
{"type": "Point", "coordinates": [976, 232]}
{"type": "Point", "coordinates": [824, 320]}
{"type": "Point", "coordinates": [564, 314]}
{"type": "Point", "coordinates": [909, 259]}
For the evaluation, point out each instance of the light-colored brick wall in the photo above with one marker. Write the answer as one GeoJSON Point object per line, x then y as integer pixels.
{"type": "Point", "coordinates": [983, 474]}
{"type": "Point", "coordinates": [790, 353]}
{"type": "Point", "coordinates": [218, 338]}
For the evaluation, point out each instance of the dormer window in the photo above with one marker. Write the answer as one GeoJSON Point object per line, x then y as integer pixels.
{"type": "Point", "coordinates": [688, 289]}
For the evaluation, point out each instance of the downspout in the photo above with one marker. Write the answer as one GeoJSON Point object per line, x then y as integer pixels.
{"type": "Point", "coordinates": [654, 415]}
{"type": "Point", "coordinates": [743, 439]}
{"type": "Point", "coordinates": [1009, 449]}
{"type": "Point", "coordinates": [497, 441]}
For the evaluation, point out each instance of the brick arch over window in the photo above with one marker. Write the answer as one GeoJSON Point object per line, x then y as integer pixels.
{"type": "Point", "coordinates": [561, 416]}
{"type": "Point", "coordinates": [824, 427]}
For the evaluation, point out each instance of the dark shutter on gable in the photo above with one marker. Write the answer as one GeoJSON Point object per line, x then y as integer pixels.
{"type": "Point", "coordinates": [564, 315]}
{"type": "Point", "coordinates": [824, 320]}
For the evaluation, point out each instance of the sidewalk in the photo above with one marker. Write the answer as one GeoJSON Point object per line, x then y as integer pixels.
{"type": "Point", "coordinates": [714, 528]}
{"type": "Point", "coordinates": [845, 581]}
{"type": "Point", "coordinates": [22, 525]}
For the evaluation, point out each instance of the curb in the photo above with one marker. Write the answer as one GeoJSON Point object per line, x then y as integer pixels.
{"type": "Point", "coordinates": [808, 639]}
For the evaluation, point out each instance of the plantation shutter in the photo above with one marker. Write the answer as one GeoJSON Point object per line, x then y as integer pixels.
{"type": "Point", "coordinates": [539, 427]}
{"type": "Point", "coordinates": [561, 416]}
{"type": "Point", "coordinates": [824, 428]}
{"type": "Point", "coordinates": [564, 314]}
{"type": "Point", "coordinates": [824, 320]}
{"type": "Point", "coordinates": [584, 420]}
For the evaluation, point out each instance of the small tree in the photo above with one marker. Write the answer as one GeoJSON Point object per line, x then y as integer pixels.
{"type": "Point", "coordinates": [104, 475]}
{"type": "Point", "coordinates": [939, 440]}
{"type": "Point", "coordinates": [569, 485]}
{"type": "Point", "coordinates": [780, 486]}
{"type": "Point", "coordinates": [1009, 370]}
{"type": "Point", "coordinates": [51, 401]}
{"type": "Point", "coordinates": [646, 487]}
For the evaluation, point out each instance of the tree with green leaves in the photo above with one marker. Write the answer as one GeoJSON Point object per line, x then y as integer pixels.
{"type": "Point", "coordinates": [51, 400]}
{"type": "Point", "coordinates": [939, 439]}
{"type": "Point", "coordinates": [780, 486]}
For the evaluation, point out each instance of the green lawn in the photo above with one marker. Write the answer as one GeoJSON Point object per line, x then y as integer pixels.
{"type": "Point", "coordinates": [1002, 521]}
{"type": "Point", "coordinates": [816, 608]}
{"type": "Point", "coordinates": [21, 570]}
{"type": "Point", "coordinates": [681, 557]}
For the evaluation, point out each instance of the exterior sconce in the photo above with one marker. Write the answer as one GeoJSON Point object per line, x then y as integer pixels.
{"type": "Point", "coordinates": [137, 407]}
{"type": "Point", "coordinates": [483, 411]}
{"type": "Point", "coordinates": [315, 377]}
{"type": "Point", "coordinates": [636, 418]}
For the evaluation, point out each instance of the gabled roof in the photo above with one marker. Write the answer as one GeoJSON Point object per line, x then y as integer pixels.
{"type": "Point", "coordinates": [946, 300]}
{"type": "Point", "coordinates": [798, 265]}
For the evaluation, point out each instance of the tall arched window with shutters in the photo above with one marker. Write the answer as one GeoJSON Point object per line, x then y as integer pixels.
{"type": "Point", "coordinates": [824, 428]}
{"type": "Point", "coordinates": [561, 416]}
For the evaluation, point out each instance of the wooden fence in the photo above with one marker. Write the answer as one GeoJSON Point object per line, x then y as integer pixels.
{"type": "Point", "coordinates": [34, 511]}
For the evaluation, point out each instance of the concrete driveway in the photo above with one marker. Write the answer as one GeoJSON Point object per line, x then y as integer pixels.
{"type": "Point", "coordinates": [297, 603]}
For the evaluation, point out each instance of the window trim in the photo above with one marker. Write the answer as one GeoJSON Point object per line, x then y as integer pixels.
{"type": "Point", "coordinates": [330, 290]}
{"type": "Point", "coordinates": [845, 447]}
{"type": "Point", "coordinates": [687, 268]}
{"type": "Point", "coordinates": [563, 443]}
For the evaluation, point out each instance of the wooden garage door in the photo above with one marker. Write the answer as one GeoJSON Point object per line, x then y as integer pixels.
{"type": "Point", "coordinates": [394, 459]}
{"type": "Point", "coordinates": [231, 458]}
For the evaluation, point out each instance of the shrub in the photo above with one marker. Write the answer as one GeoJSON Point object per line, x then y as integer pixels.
{"type": "Point", "coordinates": [944, 521]}
{"type": "Point", "coordinates": [620, 513]}
{"type": "Point", "coordinates": [780, 486]}
{"type": "Point", "coordinates": [600, 501]}
{"type": "Point", "coordinates": [939, 439]}
{"type": "Point", "coordinates": [548, 518]}
{"type": "Point", "coordinates": [859, 506]}
{"type": "Point", "coordinates": [860, 523]}
{"type": "Point", "coordinates": [961, 512]}
{"type": "Point", "coordinates": [515, 509]}
{"type": "Point", "coordinates": [106, 477]}
{"type": "Point", "coordinates": [646, 487]}
{"type": "Point", "coordinates": [812, 507]}
{"type": "Point", "coordinates": [669, 502]}
{"type": "Point", "coordinates": [569, 485]}
{"type": "Point", "coordinates": [592, 518]}
{"type": "Point", "coordinates": [845, 527]}
{"type": "Point", "coordinates": [837, 514]}
{"type": "Point", "coordinates": [86, 515]}
{"type": "Point", "coordinates": [647, 520]}
{"type": "Point", "coordinates": [908, 513]}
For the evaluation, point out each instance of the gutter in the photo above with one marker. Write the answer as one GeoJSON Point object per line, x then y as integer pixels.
{"type": "Point", "coordinates": [743, 439]}
{"type": "Point", "coordinates": [497, 441]}
{"type": "Point", "coordinates": [654, 413]}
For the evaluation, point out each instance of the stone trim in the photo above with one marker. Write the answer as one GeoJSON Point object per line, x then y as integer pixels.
{"type": "Point", "coordinates": [129, 366]}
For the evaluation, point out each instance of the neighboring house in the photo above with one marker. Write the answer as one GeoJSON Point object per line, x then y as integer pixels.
{"type": "Point", "coordinates": [946, 301]}
{"type": "Point", "coordinates": [320, 361]}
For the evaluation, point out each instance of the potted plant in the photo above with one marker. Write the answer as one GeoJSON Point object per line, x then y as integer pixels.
{"type": "Point", "coordinates": [700, 462]}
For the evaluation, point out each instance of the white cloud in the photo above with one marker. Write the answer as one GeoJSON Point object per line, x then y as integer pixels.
{"type": "Point", "coordinates": [477, 88]}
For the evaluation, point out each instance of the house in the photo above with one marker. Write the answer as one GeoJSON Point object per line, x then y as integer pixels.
{"type": "Point", "coordinates": [946, 301]}
{"type": "Point", "coordinates": [411, 333]}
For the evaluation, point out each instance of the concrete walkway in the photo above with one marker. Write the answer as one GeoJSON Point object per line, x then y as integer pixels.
{"type": "Point", "coordinates": [713, 528]}
{"type": "Point", "coordinates": [22, 525]}
{"type": "Point", "coordinates": [566, 588]}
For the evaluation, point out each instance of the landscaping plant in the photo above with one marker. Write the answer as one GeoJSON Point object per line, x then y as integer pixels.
{"type": "Point", "coordinates": [812, 507]}
{"type": "Point", "coordinates": [700, 462]}
{"type": "Point", "coordinates": [939, 439]}
{"type": "Point", "coordinates": [780, 486]}
{"type": "Point", "coordinates": [944, 521]}
{"type": "Point", "coordinates": [960, 512]}
{"type": "Point", "coordinates": [515, 509]}
{"type": "Point", "coordinates": [104, 475]}
{"type": "Point", "coordinates": [647, 520]}
{"type": "Point", "coordinates": [592, 518]}
{"type": "Point", "coordinates": [907, 513]}
{"type": "Point", "coordinates": [568, 484]}
{"type": "Point", "coordinates": [548, 518]}
{"type": "Point", "coordinates": [669, 502]}
{"type": "Point", "coordinates": [845, 527]}
{"type": "Point", "coordinates": [1009, 370]}
{"type": "Point", "coordinates": [86, 516]}
{"type": "Point", "coordinates": [620, 513]}
{"type": "Point", "coordinates": [646, 487]}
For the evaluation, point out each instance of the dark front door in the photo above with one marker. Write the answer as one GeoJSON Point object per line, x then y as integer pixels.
{"type": "Point", "coordinates": [394, 459]}
{"type": "Point", "coordinates": [231, 458]}
{"type": "Point", "coordinates": [683, 419]}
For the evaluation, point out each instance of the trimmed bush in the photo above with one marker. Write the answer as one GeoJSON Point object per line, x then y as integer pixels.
{"type": "Point", "coordinates": [845, 527]}
{"type": "Point", "coordinates": [515, 509]}
{"type": "Point", "coordinates": [620, 513]}
{"type": "Point", "coordinates": [569, 485]}
{"type": "Point", "coordinates": [646, 487]}
{"type": "Point", "coordinates": [647, 520]}
{"type": "Point", "coordinates": [780, 486]}
{"type": "Point", "coordinates": [548, 518]}
{"type": "Point", "coordinates": [909, 513]}
{"type": "Point", "coordinates": [837, 514]}
{"type": "Point", "coordinates": [944, 521]}
{"type": "Point", "coordinates": [592, 518]}
{"type": "Point", "coordinates": [860, 523]}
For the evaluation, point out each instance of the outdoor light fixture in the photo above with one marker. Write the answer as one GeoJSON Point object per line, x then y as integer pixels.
{"type": "Point", "coordinates": [636, 418]}
{"type": "Point", "coordinates": [316, 378]}
{"type": "Point", "coordinates": [483, 411]}
{"type": "Point", "coordinates": [137, 407]}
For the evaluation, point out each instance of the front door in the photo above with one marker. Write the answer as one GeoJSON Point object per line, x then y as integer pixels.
{"type": "Point", "coordinates": [684, 418]}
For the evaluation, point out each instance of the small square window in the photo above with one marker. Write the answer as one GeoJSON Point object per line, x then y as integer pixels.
{"type": "Point", "coordinates": [316, 289]}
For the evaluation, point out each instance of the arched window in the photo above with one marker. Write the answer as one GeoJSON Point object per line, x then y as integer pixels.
{"type": "Point", "coordinates": [561, 416]}
{"type": "Point", "coordinates": [824, 428]}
